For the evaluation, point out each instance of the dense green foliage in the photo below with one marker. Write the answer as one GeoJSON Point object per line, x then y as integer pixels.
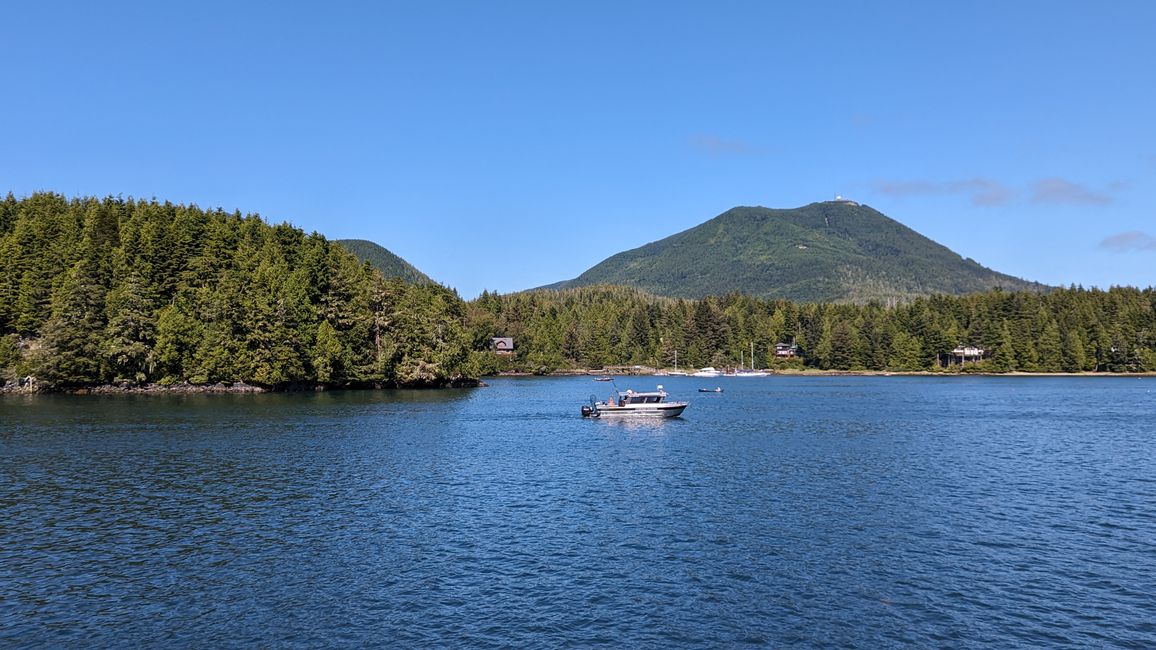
{"type": "Point", "coordinates": [116, 290]}
{"type": "Point", "coordinates": [106, 291]}
{"type": "Point", "coordinates": [380, 258]}
{"type": "Point", "coordinates": [822, 252]}
{"type": "Point", "coordinates": [1065, 330]}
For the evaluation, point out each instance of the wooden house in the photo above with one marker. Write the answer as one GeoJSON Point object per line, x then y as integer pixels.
{"type": "Point", "coordinates": [964, 353]}
{"type": "Point", "coordinates": [786, 350]}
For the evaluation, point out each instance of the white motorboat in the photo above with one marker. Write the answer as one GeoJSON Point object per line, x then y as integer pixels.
{"type": "Point", "coordinates": [706, 372]}
{"type": "Point", "coordinates": [631, 403]}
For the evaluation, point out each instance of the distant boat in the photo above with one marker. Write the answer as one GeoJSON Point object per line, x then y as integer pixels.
{"type": "Point", "coordinates": [706, 372]}
{"type": "Point", "coordinates": [743, 371]}
{"type": "Point", "coordinates": [676, 372]}
{"type": "Point", "coordinates": [603, 379]}
{"type": "Point", "coordinates": [652, 404]}
{"type": "Point", "coordinates": [717, 389]}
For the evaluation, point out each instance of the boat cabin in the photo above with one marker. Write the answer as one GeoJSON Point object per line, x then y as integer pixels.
{"type": "Point", "coordinates": [628, 397]}
{"type": "Point", "coordinates": [631, 397]}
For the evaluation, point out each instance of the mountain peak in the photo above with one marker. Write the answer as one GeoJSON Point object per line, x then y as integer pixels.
{"type": "Point", "coordinates": [383, 260]}
{"type": "Point", "coordinates": [827, 251]}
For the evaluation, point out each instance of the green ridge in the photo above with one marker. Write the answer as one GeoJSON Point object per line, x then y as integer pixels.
{"type": "Point", "coordinates": [834, 251]}
{"type": "Point", "coordinates": [380, 258]}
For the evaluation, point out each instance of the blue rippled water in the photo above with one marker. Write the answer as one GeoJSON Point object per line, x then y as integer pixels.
{"type": "Point", "coordinates": [860, 512]}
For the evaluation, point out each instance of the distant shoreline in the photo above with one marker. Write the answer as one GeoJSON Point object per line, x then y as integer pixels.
{"type": "Point", "coordinates": [242, 388]}
{"type": "Point", "coordinates": [838, 373]}
{"type": "Point", "coordinates": [219, 388]}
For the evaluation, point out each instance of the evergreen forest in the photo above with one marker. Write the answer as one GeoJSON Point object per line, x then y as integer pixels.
{"type": "Point", "coordinates": [1063, 330]}
{"type": "Point", "coordinates": [122, 291]}
{"type": "Point", "coordinates": [135, 292]}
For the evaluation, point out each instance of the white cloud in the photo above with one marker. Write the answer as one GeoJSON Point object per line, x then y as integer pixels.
{"type": "Point", "coordinates": [982, 192]}
{"type": "Point", "coordinates": [985, 192]}
{"type": "Point", "coordinates": [713, 145]}
{"type": "Point", "coordinates": [1131, 241]}
{"type": "Point", "coordinates": [1057, 191]}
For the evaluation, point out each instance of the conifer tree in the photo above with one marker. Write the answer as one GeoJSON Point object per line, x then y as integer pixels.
{"type": "Point", "coordinates": [1073, 356]}
{"type": "Point", "coordinates": [74, 333]}
{"type": "Point", "coordinates": [131, 331]}
{"type": "Point", "coordinates": [1050, 348]}
{"type": "Point", "coordinates": [906, 352]}
{"type": "Point", "coordinates": [1003, 357]}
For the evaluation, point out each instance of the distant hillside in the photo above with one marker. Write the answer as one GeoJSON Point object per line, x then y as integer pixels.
{"type": "Point", "coordinates": [834, 251]}
{"type": "Point", "coordinates": [390, 265]}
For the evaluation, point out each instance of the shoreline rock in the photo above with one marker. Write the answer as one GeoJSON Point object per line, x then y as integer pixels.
{"type": "Point", "coordinates": [219, 388]}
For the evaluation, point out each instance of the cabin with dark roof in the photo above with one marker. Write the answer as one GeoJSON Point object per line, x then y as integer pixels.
{"type": "Point", "coordinates": [786, 350]}
{"type": "Point", "coordinates": [502, 345]}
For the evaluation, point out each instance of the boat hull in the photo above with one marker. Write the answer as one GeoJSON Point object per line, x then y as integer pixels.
{"type": "Point", "coordinates": [665, 410]}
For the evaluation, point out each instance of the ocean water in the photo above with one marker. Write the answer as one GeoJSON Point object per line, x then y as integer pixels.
{"type": "Point", "coordinates": [862, 512]}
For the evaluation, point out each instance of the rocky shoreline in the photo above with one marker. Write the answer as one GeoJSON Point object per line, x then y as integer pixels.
{"type": "Point", "coordinates": [30, 386]}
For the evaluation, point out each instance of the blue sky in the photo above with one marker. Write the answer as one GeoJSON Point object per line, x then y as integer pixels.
{"type": "Point", "coordinates": [506, 145]}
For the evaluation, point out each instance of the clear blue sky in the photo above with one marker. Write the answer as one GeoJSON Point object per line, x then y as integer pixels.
{"type": "Point", "coordinates": [505, 145]}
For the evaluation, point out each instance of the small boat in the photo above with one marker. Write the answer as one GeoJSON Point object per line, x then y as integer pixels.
{"type": "Point", "coordinates": [603, 379]}
{"type": "Point", "coordinates": [630, 403]}
{"type": "Point", "coordinates": [716, 389]}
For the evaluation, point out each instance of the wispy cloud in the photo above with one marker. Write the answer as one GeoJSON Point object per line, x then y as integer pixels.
{"type": "Point", "coordinates": [714, 146]}
{"type": "Point", "coordinates": [1057, 191]}
{"type": "Point", "coordinates": [1128, 242]}
{"type": "Point", "coordinates": [980, 191]}
{"type": "Point", "coordinates": [985, 192]}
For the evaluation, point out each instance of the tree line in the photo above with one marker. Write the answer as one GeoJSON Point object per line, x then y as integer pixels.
{"type": "Point", "coordinates": [1062, 330]}
{"type": "Point", "coordinates": [105, 291]}
{"type": "Point", "coordinates": [98, 291]}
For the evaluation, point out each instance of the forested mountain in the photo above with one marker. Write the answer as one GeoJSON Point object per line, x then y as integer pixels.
{"type": "Point", "coordinates": [96, 291]}
{"type": "Point", "coordinates": [835, 251]}
{"type": "Point", "coordinates": [380, 258]}
{"type": "Point", "coordinates": [1064, 330]}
